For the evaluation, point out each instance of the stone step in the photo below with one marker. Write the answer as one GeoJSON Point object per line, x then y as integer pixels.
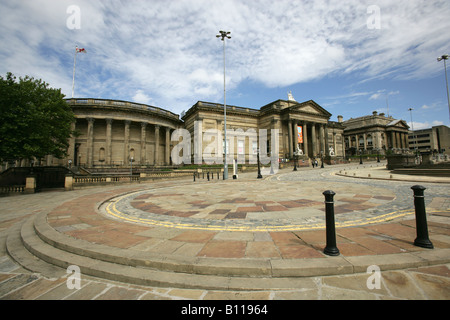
{"type": "Point", "coordinates": [274, 268]}
{"type": "Point", "coordinates": [17, 251]}
{"type": "Point", "coordinates": [58, 259]}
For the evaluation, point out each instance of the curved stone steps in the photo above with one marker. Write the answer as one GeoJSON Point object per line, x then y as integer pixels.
{"type": "Point", "coordinates": [16, 250]}
{"type": "Point", "coordinates": [38, 247]}
{"type": "Point", "coordinates": [267, 268]}
{"type": "Point", "coordinates": [40, 256]}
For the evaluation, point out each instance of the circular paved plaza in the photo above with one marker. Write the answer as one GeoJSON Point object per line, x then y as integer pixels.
{"type": "Point", "coordinates": [236, 235]}
{"type": "Point", "coordinates": [291, 201]}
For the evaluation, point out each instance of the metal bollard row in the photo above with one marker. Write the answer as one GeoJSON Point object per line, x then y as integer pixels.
{"type": "Point", "coordinates": [208, 175]}
{"type": "Point", "coordinates": [422, 239]}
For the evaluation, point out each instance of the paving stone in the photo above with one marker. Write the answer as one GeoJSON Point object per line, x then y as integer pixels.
{"type": "Point", "coordinates": [286, 253]}
{"type": "Point", "coordinates": [223, 249]}
{"type": "Point", "coordinates": [88, 291]}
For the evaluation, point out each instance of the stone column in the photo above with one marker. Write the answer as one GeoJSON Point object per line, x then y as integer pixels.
{"type": "Point", "coordinates": [108, 141]}
{"type": "Point", "coordinates": [334, 144]}
{"type": "Point", "coordinates": [305, 140]}
{"type": "Point", "coordinates": [290, 138]}
{"type": "Point", "coordinates": [167, 147]}
{"type": "Point", "coordinates": [365, 141]}
{"type": "Point", "coordinates": [126, 142]}
{"type": "Point", "coordinates": [397, 140]}
{"type": "Point", "coordinates": [143, 142]}
{"type": "Point", "coordinates": [90, 143]}
{"type": "Point", "coordinates": [322, 139]}
{"type": "Point", "coordinates": [313, 140]}
{"type": "Point", "coordinates": [71, 149]}
{"type": "Point", "coordinates": [157, 127]}
{"type": "Point", "coordinates": [296, 124]}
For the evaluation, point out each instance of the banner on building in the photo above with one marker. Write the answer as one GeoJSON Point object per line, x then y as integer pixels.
{"type": "Point", "coordinates": [299, 134]}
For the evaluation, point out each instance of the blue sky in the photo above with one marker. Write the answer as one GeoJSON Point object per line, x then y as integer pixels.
{"type": "Point", "coordinates": [351, 57]}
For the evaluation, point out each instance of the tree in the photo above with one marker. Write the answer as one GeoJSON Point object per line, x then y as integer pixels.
{"type": "Point", "coordinates": [35, 120]}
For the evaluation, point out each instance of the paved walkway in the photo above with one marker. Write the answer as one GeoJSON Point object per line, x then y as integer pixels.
{"type": "Point", "coordinates": [278, 219]}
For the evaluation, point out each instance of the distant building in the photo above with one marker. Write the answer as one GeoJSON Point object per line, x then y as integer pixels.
{"type": "Point", "coordinates": [375, 134]}
{"type": "Point", "coordinates": [433, 140]}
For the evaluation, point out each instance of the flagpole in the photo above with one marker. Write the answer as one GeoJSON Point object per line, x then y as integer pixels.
{"type": "Point", "coordinates": [73, 79]}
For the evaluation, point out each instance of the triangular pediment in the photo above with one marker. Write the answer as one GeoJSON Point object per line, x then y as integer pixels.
{"type": "Point", "coordinates": [398, 124]}
{"type": "Point", "coordinates": [310, 107]}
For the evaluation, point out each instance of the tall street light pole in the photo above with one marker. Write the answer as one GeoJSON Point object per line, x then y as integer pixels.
{"type": "Point", "coordinates": [414, 134]}
{"type": "Point", "coordinates": [223, 35]}
{"type": "Point", "coordinates": [445, 57]}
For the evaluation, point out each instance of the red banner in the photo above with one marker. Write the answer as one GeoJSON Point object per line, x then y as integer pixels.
{"type": "Point", "coordinates": [299, 134]}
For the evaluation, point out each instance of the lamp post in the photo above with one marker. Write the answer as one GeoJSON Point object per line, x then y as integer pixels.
{"type": "Point", "coordinates": [223, 35]}
{"type": "Point", "coordinates": [445, 57]}
{"type": "Point", "coordinates": [131, 168]}
{"type": "Point", "coordinates": [414, 137]}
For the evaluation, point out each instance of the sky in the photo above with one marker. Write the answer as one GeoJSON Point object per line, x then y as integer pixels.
{"type": "Point", "coordinates": [351, 57]}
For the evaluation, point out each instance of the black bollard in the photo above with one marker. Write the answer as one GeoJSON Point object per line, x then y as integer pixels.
{"type": "Point", "coordinates": [422, 239]}
{"type": "Point", "coordinates": [259, 168]}
{"type": "Point", "coordinates": [207, 175]}
{"type": "Point", "coordinates": [330, 248]}
{"type": "Point", "coordinates": [194, 176]}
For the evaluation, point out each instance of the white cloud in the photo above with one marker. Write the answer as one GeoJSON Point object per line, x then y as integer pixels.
{"type": "Point", "coordinates": [375, 96]}
{"type": "Point", "coordinates": [425, 125]}
{"type": "Point", "coordinates": [167, 50]}
{"type": "Point", "coordinates": [141, 97]}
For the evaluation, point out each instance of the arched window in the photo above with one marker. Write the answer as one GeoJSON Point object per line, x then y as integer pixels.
{"type": "Point", "coordinates": [369, 141]}
{"type": "Point", "coordinates": [361, 142]}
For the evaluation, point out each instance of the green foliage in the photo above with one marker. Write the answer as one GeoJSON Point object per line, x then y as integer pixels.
{"type": "Point", "coordinates": [35, 120]}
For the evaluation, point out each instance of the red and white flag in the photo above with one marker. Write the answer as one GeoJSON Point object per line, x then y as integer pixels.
{"type": "Point", "coordinates": [80, 49]}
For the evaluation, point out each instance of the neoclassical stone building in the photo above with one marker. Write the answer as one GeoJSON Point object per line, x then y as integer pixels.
{"type": "Point", "coordinates": [375, 133]}
{"type": "Point", "coordinates": [115, 133]}
{"type": "Point", "coordinates": [318, 134]}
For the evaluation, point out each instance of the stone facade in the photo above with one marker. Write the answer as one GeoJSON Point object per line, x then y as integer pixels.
{"type": "Point", "coordinates": [112, 133]}
{"type": "Point", "coordinates": [375, 133]}
{"type": "Point", "coordinates": [318, 133]}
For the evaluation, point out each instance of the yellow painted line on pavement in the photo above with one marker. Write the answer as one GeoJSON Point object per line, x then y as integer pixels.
{"type": "Point", "coordinates": [112, 210]}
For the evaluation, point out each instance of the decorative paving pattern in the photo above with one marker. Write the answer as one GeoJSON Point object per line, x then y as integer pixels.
{"type": "Point", "coordinates": [254, 206]}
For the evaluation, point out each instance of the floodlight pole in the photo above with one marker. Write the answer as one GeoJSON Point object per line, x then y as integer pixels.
{"type": "Point", "coordinates": [223, 35]}
{"type": "Point", "coordinates": [73, 76]}
{"type": "Point", "coordinates": [414, 134]}
{"type": "Point", "coordinates": [445, 57]}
